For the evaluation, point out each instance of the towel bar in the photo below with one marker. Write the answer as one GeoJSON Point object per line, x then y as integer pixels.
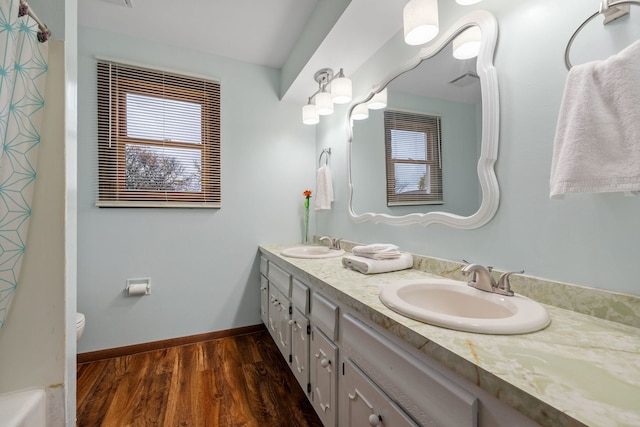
{"type": "Point", "coordinates": [327, 152]}
{"type": "Point", "coordinates": [612, 11]}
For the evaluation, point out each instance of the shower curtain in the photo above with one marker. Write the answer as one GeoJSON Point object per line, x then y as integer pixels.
{"type": "Point", "coordinates": [23, 67]}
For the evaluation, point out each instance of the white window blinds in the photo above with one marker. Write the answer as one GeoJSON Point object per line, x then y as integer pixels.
{"type": "Point", "coordinates": [158, 138]}
{"type": "Point", "coordinates": [414, 167]}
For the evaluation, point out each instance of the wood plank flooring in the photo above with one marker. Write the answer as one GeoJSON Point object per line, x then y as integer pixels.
{"type": "Point", "coordinates": [227, 382]}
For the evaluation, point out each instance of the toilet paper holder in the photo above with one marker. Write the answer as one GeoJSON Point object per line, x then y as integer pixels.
{"type": "Point", "coordinates": [137, 287]}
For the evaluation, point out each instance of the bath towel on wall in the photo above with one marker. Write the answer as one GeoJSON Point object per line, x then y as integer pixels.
{"type": "Point", "coordinates": [597, 142]}
{"type": "Point", "coordinates": [324, 189]}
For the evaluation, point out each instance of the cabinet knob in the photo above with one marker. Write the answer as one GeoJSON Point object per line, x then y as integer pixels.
{"type": "Point", "coordinates": [325, 362]}
{"type": "Point", "coordinates": [292, 322]}
{"type": "Point", "coordinates": [374, 420]}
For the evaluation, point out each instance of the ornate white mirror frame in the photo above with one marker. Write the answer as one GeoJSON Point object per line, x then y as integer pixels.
{"type": "Point", "coordinates": [490, 129]}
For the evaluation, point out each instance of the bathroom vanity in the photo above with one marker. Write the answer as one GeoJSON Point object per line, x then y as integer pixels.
{"type": "Point", "coordinates": [363, 364]}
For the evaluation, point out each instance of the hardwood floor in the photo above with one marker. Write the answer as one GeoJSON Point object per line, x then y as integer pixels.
{"type": "Point", "coordinates": [237, 381]}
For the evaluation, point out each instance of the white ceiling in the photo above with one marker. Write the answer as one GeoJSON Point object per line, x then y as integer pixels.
{"type": "Point", "coordinates": [259, 32]}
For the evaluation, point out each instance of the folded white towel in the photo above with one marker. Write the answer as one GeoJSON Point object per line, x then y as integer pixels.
{"type": "Point", "coordinates": [373, 266]}
{"type": "Point", "coordinates": [324, 189]}
{"type": "Point", "coordinates": [377, 251]}
{"type": "Point", "coordinates": [597, 143]}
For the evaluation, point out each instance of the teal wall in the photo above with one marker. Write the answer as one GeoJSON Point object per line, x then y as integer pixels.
{"type": "Point", "coordinates": [586, 239]}
{"type": "Point", "coordinates": [202, 263]}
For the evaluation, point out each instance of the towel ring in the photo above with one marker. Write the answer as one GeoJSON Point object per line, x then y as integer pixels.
{"type": "Point", "coordinates": [603, 9]}
{"type": "Point", "coordinates": [327, 152]}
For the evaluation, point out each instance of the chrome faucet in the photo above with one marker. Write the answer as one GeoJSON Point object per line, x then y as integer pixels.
{"type": "Point", "coordinates": [482, 279]}
{"type": "Point", "coordinates": [333, 243]}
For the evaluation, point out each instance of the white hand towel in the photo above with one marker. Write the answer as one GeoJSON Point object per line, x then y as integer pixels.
{"type": "Point", "coordinates": [377, 251]}
{"type": "Point", "coordinates": [597, 143]}
{"type": "Point", "coordinates": [324, 189]}
{"type": "Point", "coordinates": [373, 266]}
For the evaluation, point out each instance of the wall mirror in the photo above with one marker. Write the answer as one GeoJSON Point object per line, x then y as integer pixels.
{"type": "Point", "coordinates": [461, 95]}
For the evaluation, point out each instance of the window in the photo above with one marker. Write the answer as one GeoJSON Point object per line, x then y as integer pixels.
{"type": "Point", "coordinates": [414, 169]}
{"type": "Point", "coordinates": [158, 138]}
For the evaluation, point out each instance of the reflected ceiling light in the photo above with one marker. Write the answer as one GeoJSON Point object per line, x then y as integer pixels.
{"type": "Point", "coordinates": [330, 89]}
{"type": "Point", "coordinates": [360, 112]}
{"type": "Point", "coordinates": [467, 44]}
{"type": "Point", "coordinates": [309, 114]}
{"type": "Point", "coordinates": [420, 19]}
{"type": "Point", "coordinates": [378, 101]}
{"type": "Point", "coordinates": [467, 2]}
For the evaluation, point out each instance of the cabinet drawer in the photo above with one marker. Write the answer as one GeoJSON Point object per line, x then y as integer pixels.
{"type": "Point", "coordinates": [264, 266]}
{"type": "Point", "coordinates": [324, 315]}
{"type": "Point", "coordinates": [280, 279]}
{"type": "Point", "coordinates": [300, 296]}
{"type": "Point", "coordinates": [428, 395]}
{"type": "Point", "coordinates": [363, 403]}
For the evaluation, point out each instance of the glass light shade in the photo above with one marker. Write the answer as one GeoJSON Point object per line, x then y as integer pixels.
{"type": "Point", "coordinates": [341, 90]}
{"type": "Point", "coordinates": [309, 115]}
{"type": "Point", "coordinates": [324, 104]}
{"type": "Point", "coordinates": [467, 44]}
{"type": "Point", "coordinates": [467, 2]}
{"type": "Point", "coordinates": [360, 112]}
{"type": "Point", "coordinates": [420, 19]}
{"type": "Point", "coordinates": [379, 100]}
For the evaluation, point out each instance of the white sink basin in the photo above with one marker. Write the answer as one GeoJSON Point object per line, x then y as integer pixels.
{"type": "Point", "coordinates": [311, 252]}
{"type": "Point", "coordinates": [455, 305]}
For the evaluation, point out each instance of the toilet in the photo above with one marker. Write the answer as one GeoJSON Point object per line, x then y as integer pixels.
{"type": "Point", "coordinates": [79, 325]}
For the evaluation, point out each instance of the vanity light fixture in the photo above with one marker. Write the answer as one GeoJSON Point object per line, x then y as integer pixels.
{"type": "Point", "coordinates": [331, 89]}
{"type": "Point", "coordinates": [341, 89]}
{"type": "Point", "coordinates": [467, 2]}
{"type": "Point", "coordinates": [467, 44]}
{"type": "Point", "coordinates": [309, 114]}
{"type": "Point", "coordinates": [420, 18]}
{"type": "Point", "coordinates": [379, 100]}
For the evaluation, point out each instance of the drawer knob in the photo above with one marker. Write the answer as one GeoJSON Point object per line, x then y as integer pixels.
{"type": "Point", "coordinates": [374, 419]}
{"type": "Point", "coordinates": [325, 362]}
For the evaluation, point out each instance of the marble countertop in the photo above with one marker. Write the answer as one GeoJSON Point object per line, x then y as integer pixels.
{"type": "Point", "coordinates": [580, 370]}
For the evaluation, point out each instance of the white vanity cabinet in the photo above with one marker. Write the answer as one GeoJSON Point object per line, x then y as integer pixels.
{"type": "Point", "coordinates": [356, 373]}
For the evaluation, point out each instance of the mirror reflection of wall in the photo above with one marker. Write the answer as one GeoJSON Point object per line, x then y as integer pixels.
{"type": "Point", "coordinates": [441, 86]}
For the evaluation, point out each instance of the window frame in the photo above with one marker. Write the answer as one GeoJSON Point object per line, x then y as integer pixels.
{"type": "Point", "coordinates": [113, 139]}
{"type": "Point", "coordinates": [430, 125]}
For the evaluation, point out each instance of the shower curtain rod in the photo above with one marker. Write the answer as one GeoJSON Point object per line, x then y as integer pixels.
{"type": "Point", "coordinates": [25, 9]}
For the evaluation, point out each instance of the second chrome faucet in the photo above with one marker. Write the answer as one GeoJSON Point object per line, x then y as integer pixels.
{"type": "Point", "coordinates": [481, 278]}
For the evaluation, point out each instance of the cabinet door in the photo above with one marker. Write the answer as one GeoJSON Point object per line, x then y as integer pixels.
{"type": "Point", "coordinates": [264, 300]}
{"type": "Point", "coordinates": [283, 335]}
{"type": "Point", "coordinates": [272, 312]}
{"type": "Point", "coordinates": [324, 370]}
{"type": "Point", "coordinates": [300, 334]}
{"type": "Point", "coordinates": [362, 403]}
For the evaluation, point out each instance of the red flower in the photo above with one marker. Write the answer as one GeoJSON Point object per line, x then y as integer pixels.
{"type": "Point", "coordinates": [307, 193]}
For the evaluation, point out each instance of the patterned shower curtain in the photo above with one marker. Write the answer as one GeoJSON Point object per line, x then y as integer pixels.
{"type": "Point", "coordinates": [23, 67]}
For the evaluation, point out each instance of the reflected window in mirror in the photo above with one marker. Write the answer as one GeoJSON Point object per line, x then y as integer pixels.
{"type": "Point", "coordinates": [413, 151]}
